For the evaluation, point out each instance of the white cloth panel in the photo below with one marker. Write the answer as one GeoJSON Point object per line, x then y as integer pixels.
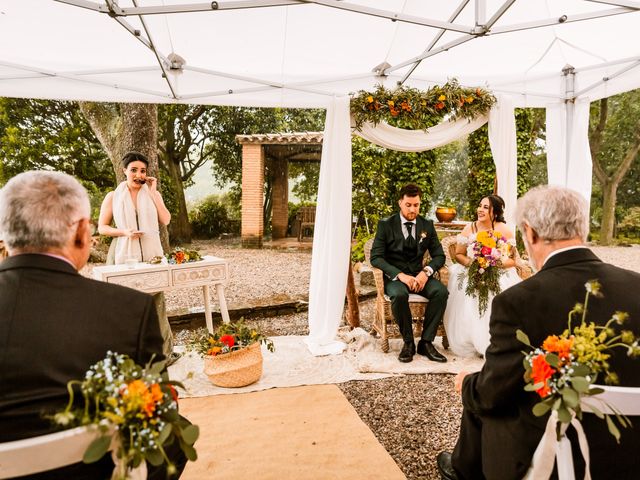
{"type": "Point", "coordinates": [569, 165]}
{"type": "Point", "coordinates": [626, 400]}
{"type": "Point", "coordinates": [504, 147]}
{"type": "Point", "coordinates": [404, 140]}
{"type": "Point", "coordinates": [332, 233]}
{"type": "Point", "coordinates": [124, 216]}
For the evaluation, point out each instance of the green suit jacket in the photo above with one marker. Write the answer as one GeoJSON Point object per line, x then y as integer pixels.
{"type": "Point", "coordinates": [387, 254]}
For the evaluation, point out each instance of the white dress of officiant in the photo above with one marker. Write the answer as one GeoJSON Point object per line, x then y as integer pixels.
{"type": "Point", "coordinates": [467, 325]}
{"type": "Point", "coordinates": [137, 209]}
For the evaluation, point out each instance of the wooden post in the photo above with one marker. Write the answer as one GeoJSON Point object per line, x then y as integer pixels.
{"type": "Point", "coordinates": [353, 309]}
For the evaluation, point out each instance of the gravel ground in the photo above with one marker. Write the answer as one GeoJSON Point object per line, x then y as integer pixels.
{"type": "Point", "coordinates": [415, 416]}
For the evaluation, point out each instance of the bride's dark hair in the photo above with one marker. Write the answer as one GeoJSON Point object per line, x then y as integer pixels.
{"type": "Point", "coordinates": [497, 206]}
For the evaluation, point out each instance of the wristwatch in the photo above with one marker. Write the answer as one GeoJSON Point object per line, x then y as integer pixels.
{"type": "Point", "coordinates": [428, 270]}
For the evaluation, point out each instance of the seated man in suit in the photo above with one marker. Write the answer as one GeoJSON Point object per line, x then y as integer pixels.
{"type": "Point", "coordinates": [400, 243]}
{"type": "Point", "coordinates": [499, 432]}
{"type": "Point", "coordinates": [55, 323]}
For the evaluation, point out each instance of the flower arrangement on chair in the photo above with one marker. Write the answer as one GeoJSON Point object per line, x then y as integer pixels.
{"type": "Point", "coordinates": [232, 354]}
{"type": "Point", "coordinates": [135, 407]}
{"type": "Point", "coordinates": [483, 274]}
{"type": "Point", "coordinates": [564, 369]}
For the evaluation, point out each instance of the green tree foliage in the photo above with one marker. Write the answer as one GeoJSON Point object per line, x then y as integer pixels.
{"type": "Point", "coordinates": [40, 134]}
{"type": "Point", "coordinates": [614, 138]}
{"type": "Point", "coordinates": [210, 218]}
{"type": "Point", "coordinates": [482, 170]}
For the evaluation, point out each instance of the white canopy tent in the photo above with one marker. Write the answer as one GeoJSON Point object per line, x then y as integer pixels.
{"type": "Point", "coordinates": [556, 54]}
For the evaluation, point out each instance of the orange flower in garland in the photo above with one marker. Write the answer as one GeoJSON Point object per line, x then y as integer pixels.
{"type": "Point", "coordinates": [541, 371]}
{"type": "Point", "coordinates": [439, 106]}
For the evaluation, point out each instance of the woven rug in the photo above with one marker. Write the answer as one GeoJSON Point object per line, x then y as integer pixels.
{"type": "Point", "coordinates": [307, 432]}
{"type": "Point", "coordinates": [293, 365]}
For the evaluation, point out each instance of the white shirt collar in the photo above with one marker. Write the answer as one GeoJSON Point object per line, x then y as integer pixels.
{"type": "Point", "coordinates": [404, 220]}
{"type": "Point", "coordinates": [560, 250]}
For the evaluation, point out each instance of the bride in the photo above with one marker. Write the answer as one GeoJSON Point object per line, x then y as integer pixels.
{"type": "Point", "coordinates": [468, 329]}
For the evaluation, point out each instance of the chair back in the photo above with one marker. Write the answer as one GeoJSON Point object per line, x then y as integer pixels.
{"type": "Point", "coordinates": [625, 401]}
{"type": "Point", "coordinates": [307, 214]}
{"type": "Point", "coordinates": [46, 452]}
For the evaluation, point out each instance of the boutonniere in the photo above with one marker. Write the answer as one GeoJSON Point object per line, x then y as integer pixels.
{"type": "Point", "coordinates": [423, 235]}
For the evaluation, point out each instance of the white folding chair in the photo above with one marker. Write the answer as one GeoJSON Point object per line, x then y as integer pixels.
{"type": "Point", "coordinates": [48, 452]}
{"type": "Point", "coordinates": [549, 451]}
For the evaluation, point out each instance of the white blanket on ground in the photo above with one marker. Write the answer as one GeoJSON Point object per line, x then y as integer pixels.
{"type": "Point", "coordinates": [145, 220]}
{"type": "Point", "coordinates": [292, 365]}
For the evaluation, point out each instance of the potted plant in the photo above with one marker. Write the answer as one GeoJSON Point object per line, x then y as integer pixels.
{"type": "Point", "coordinates": [232, 355]}
{"type": "Point", "coordinates": [446, 211]}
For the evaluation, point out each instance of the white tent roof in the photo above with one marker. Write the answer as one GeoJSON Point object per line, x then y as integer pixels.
{"type": "Point", "coordinates": [302, 53]}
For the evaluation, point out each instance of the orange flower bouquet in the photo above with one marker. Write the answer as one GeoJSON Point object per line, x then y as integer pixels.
{"type": "Point", "coordinates": [564, 369]}
{"type": "Point", "coordinates": [181, 255]}
{"type": "Point", "coordinates": [138, 406]}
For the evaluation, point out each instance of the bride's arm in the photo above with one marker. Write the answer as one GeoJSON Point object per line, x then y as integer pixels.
{"type": "Point", "coordinates": [461, 255]}
{"type": "Point", "coordinates": [508, 262]}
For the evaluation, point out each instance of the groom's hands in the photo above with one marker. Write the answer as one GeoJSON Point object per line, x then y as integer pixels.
{"type": "Point", "coordinates": [415, 284]}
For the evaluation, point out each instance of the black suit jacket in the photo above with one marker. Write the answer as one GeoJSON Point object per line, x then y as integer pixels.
{"type": "Point", "coordinates": [539, 306]}
{"type": "Point", "coordinates": [387, 253]}
{"type": "Point", "coordinates": [54, 324]}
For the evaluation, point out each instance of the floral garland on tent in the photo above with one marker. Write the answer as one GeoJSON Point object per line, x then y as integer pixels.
{"type": "Point", "coordinates": [415, 109]}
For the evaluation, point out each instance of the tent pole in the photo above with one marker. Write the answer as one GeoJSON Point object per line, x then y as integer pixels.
{"type": "Point", "coordinates": [569, 85]}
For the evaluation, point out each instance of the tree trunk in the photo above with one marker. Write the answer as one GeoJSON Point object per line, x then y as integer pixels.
{"type": "Point", "coordinates": [609, 196]}
{"type": "Point", "coordinates": [180, 226]}
{"type": "Point", "coordinates": [125, 127]}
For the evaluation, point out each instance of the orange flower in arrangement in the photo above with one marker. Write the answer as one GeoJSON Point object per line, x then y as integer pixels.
{"type": "Point", "coordinates": [559, 346]}
{"type": "Point", "coordinates": [179, 257]}
{"type": "Point", "coordinates": [461, 101]}
{"type": "Point", "coordinates": [394, 111]}
{"type": "Point", "coordinates": [439, 106]}
{"type": "Point", "coordinates": [405, 106]}
{"type": "Point", "coordinates": [541, 371]}
{"type": "Point", "coordinates": [137, 396]}
{"type": "Point", "coordinates": [214, 351]}
{"type": "Point", "coordinates": [228, 340]}
{"type": "Point", "coordinates": [478, 92]}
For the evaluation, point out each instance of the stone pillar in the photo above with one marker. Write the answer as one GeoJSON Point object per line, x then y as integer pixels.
{"type": "Point", "coordinates": [252, 195]}
{"type": "Point", "coordinates": [280, 196]}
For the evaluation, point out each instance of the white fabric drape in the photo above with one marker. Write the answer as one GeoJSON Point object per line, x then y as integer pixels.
{"type": "Point", "coordinates": [626, 400]}
{"type": "Point", "coordinates": [502, 138]}
{"type": "Point", "coordinates": [569, 160]}
{"type": "Point", "coordinates": [403, 140]}
{"type": "Point", "coordinates": [145, 219]}
{"type": "Point", "coordinates": [332, 233]}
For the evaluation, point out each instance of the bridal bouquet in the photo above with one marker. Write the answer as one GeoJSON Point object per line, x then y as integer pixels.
{"type": "Point", "coordinates": [563, 370]}
{"type": "Point", "coordinates": [138, 406]}
{"type": "Point", "coordinates": [484, 273]}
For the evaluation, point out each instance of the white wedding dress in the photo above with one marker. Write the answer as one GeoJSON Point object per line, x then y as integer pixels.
{"type": "Point", "coordinates": [467, 330]}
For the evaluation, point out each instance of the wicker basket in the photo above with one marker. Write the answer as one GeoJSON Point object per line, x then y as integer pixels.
{"type": "Point", "coordinates": [235, 369]}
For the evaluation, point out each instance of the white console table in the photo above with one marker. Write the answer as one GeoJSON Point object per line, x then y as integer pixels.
{"type": "Point", "coordinates": [208, 272]}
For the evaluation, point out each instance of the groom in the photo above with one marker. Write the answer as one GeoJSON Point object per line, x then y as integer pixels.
{"type": "Point", "coordinates": [400, 243]}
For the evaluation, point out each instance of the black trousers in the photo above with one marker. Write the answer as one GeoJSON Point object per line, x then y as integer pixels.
{"type": "Point", "coordinates": [437, 295]}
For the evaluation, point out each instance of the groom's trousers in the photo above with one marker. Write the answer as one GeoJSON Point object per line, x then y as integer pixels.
{"type": "Point", "coordinates": [434, 291]}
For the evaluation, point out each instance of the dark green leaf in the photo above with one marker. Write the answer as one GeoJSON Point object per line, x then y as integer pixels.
{"type": "Point", "coordinates": [97, 449]}
{"type": "Point", "coordinates": [552, 359]}
{"type": "Point", "coordinates": [570, 397]}
{"type": "Point", "coordinates": [189, 451]}
{"type": "Point", "coordinates": [581, 370]}
{"type": "Point", "coordinates": [164, 434]}
{"type": "Point", "coordinates": [564, 415]}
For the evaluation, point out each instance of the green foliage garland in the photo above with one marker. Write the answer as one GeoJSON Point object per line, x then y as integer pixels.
{"type": "Point", "coordinates": [415, 109]}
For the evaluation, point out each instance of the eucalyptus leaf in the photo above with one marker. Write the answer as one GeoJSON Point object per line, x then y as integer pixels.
{"type": "Point", "coordinates": [164, 434]}
{"type": "Point", "coordinates": [539, 409]}
{"type": "Point", "coordinates": [532, 388]}
{"type": "Point", "coordinates": [154, 457]}
{"type": "Point", "coordinates": [570, 397]}
{"type": "Point", "coordinates": [552, 359]}
{"type": "Point", "coordinates": [596, 411]}
{"type": "Point", "coordinates": [190, 434]}
{"type": "Point", "coordinates": [581, 370]}
{"type": "Point", "coordinates": [580, 384]}
{"type": "Point", "coordinates": [523, 337]}
{"type": "Point", "coordinates": [613, 430]}
{"type": "Point", "coordinates": [97, 449]}
{"type": "Point", "coordinates": [564, 415]}
{"type": "Point", "coordinates": [189, 451]}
